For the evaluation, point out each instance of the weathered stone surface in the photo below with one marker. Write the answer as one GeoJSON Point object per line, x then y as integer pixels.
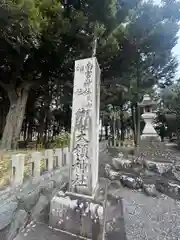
{"type": "Point", "coordinates": [137, 160]}
{"type": "Point", "coordinates": [41, 231]}
{"type": "Point", "coordinates": [58, 208]}
{"type": "Point", "coordinates": [40, 209]}
{"type": "Point", "coordinates": [149, 173]}
{"type": "Point", "coordinates": [114, 185]}
{"type": "Point", "coordinates": [131, 181]}
{"type": "Point", "coordinates": [61, 194]}
{"type": "Point", "coordinates": [19, 221]}
{"type": "Point", "coordinates": [107, 168]}
{"type": "Point", "coordinates": [96, 211]}
{"type": "Point", "coordinates": [7, 210]}
{"type": "Point", "coordinates": [6, 195]}
{"type": "Point", "coordinates": [28, 197]}
{"type": "Point", "coordinates": [86, 225]}
{"type": "Point", "coordinates": [137, 169]}
{"type": "Point", "coordinates": [84, 129]}
{"type": "Point", "coordinates": [150, 190]}
{"type": "Point", "coordinates": [170, 188]}
{"type": "Point", "coordinates": [75, 215]}
{"type": "Point", "coordinates": [125, 150]}
{"type": "Point", "coordinates": [114, 219]}
{"type": "Point", "coordinates": [120, 163]}
{"type": "Point", "coordinates": [60, 178]}
{"type": "Point", "coordinates": [159, 167]}
{"type": "Point", "coordinates": [111, 174]}
{"type": "Point", "coordinates": [176, 172]}
{"type": "Point", "coordinates": [33, 198]}
{"type": "Point", "coordinates": [46, 187]}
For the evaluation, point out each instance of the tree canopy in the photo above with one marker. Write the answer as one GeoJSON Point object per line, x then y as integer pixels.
{"type": "Point", "coordinates": [41, 39]}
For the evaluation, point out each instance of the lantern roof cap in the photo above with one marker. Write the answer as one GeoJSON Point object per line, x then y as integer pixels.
{"type": "Point", "coordinates": [147, 101]}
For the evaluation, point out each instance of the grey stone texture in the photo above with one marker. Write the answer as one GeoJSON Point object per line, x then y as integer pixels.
{"type": "Point", "coordinates": [77, 215]}
{"type": "Point", "coordinates": [40, 231]}
{"type": "Point", "coordinates": [114, 225]}
{"type": "Point", "coordinates": [154, 170]}
{"type": "Point", "coordinates": [29, 203]}
{"type": "Point", "coordinates": [150, 212]}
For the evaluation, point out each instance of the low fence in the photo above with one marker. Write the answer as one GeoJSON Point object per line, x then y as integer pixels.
{"type": "Point", "coordinates": [32, 165]}
{"type": "Point", "coordinates": [117, 143]}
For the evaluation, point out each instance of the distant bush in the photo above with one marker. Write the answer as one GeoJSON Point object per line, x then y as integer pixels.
{"type": "Point", "coordinates": [61, 141]}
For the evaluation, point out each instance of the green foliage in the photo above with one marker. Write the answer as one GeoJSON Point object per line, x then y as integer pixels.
{"type": "Point", "coordinates": [171, 98]}
{"type": "Point", "coordinates": [144, 58]}
{"type": "Point", "coordinates": [40, 146]}
{"type": "Point", "coordinates": [61, 141]}
{"type": "Point", "coordinates": [43, 165]}
{"type": "Point", "coordinates": [41, 39]}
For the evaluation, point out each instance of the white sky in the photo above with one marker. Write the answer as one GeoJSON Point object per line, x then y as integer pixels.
{"type": "Point", "coordinates": [176, 49]}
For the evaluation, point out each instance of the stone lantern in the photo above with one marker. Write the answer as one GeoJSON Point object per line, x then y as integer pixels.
{"type": "Point", "coordinates": [148, 117]}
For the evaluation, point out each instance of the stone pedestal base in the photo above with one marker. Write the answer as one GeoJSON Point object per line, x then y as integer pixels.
{"type": "Point", "coordinates": [151, 143]}
{"type": "Point", "coordinates": [152, 150]}
{"type": "Point", "coordinates": [77, 215]}
{"type": "Point", "coordinates": [151, 137]}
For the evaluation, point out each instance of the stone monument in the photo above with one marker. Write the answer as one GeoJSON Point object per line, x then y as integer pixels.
{"type": "Point", "coordinates": [148, 116]}
{"type": "Point", "coordinates": [84, 144]}
{"type": "Point", "coordinates": [76, 211]}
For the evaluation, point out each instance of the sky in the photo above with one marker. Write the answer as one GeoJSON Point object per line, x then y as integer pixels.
{"type": "Point", "coordinates": [176, 49]}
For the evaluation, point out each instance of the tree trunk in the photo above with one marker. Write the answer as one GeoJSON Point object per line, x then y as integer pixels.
{"type": "Point", "coordinates": [122, 126]}
{"type": "Point", "coordinates": [30, 130]}
{"type": "Point", "coordinates": [138, 125]}
{"type": "Point", "coordinates": [106, 132]}
{"type": "Point", "coordinates": [41, 126]}
{"type": "Point", "coordinates": [42, 123]}
{"type": "Point", "coordinates": [14, 118]}
{"type": "Point", "coordinates": [46, 131]}
{"type": "Point", "coordinates": [178, 130]}
{"type": "Point", "coordinates": [114, 132]}
{"type": "Point", "coordinates": [25, 130]}
{"type": "Point", "coordinates": [134, 124]}
{"type": "Point", "coordinates": [3, 113]}
{"type": "Point", "coordinates": [101, 133]}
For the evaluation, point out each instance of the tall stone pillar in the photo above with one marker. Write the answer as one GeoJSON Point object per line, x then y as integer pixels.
{"type": "Point", "coordinates": [84, 144]}
{"type": "Point", "coordinates": [77, 211]}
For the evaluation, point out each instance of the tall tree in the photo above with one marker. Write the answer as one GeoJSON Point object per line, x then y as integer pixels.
{"type": "Point", "coordinates": [40, 41]}
{"type": "Point", "coordinates": [145, 57]}
{"type": "Point", "coordinates": [171, 102]}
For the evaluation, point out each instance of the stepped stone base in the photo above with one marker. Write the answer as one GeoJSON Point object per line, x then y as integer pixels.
{"type": "Point", "coordinates": [98, 218]}
{"type": "Point", "coordinates": [77, 215]}
{"type": "Point", "coordinates": [155, 137]}
{"type": "Point", "coordinates": [41, 231]}
{"type": "Point", "coordinates": [151, 143]}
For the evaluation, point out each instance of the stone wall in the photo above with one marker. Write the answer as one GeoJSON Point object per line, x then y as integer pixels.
{"type": "Point", "coordinates": [27, 202]}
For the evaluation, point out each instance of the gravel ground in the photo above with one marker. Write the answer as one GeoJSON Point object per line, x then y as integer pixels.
{"type": "Point", "coordinates": [148, 218]}
{"type": "Point", "coordinates": [145, 218]}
